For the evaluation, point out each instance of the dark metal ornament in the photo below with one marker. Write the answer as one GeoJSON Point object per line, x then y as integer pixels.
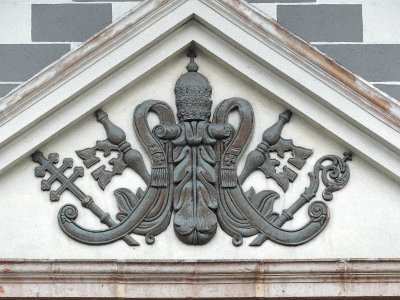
{"type": "Point", "coordinates": [194, 175]}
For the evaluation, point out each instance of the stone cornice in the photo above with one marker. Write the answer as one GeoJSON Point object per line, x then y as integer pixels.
{"type": "Point", "coordinates": [381, 105]}
{"type": "Point", "coordinates": [79, 59]}
{"type": "Point", "coordinates": [369, 97]}
{"type": "Point", "coordinates": [199, 279]}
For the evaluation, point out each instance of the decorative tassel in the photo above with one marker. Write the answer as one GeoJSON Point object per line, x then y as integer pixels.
{"type": "Point", "coordinates": [228, 178]}
{"type": "Point", "coordinates": [159, 177]}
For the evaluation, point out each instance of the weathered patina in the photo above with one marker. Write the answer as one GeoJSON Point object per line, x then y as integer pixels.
{"type": "Point", "coordinates": [194, 174]}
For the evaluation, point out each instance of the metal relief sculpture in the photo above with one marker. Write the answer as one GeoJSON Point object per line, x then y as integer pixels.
{"type": "Point", "coordinates": [194, 177]}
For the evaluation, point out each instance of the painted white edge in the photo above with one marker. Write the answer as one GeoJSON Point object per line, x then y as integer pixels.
{"type": "Point", "coordinates": [199, 279]}
{"type": "Point", "coordinates": [88, 79]}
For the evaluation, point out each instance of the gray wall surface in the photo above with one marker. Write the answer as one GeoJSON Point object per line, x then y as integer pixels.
{"type": "Point", "coordinates": [362, 35]}
{"type": "Point", "coordinates": [68, 23]}
{"type": "Point", "coordinates": [316, 23]}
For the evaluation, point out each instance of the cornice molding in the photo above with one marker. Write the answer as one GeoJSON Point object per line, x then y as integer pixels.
{"type": "Point", "coordinates": [199, 279]}
{"type": "Point", "coordinates": [84, 56]}
{"type": "Point", "coordinates": [266, 29]}
{"type": "Point", "coordinates": [370, 98]}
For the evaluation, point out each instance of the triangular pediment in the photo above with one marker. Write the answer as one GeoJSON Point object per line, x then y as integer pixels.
{"type": "Point", "coordinates": [80, 138]}
{"type": "Point", "coordinates": [280, 108]}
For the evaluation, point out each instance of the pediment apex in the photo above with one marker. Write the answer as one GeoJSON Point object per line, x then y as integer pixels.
{"type": "Point", "coordinates": [232, 32]}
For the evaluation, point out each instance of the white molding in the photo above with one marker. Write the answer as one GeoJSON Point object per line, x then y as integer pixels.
{"type": "Point", "coordinates": [271, 33]}
{"type": "Point", "coordinates": [235, 33]}
{"type": "Point", "coordinates": [199, 279]}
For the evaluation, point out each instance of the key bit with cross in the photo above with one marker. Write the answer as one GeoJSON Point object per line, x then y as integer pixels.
{"type": "Point", "coordinates": [67, 183]}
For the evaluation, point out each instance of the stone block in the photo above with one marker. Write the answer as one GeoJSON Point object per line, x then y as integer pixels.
{"type": "Point", "coordinates": [5, 88]}
{"type": "Point", "coordinates": [68, 22]}
{"type": "Point", "coordinates": [375, 63]}
{"type": "Point", "coordinates": [106, 0]}
{"type": "Point", "coordinates": [20, 62]}
{"type": "Point", "coordinates": [282, 1]}
{"type": "Point", "coordinates": [323, 23]}
{"type": "Point", "coordinates": [390, 89]}
{"type": "Point", "coordinates": [381, 21]}
{"type": "Point", "coordinates": [15, 22]}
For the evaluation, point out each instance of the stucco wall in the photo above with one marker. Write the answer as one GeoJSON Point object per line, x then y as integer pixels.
{"type": "Point", "coordinates": [360, 34]}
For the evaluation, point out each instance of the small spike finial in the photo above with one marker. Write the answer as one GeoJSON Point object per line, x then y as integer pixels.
{"type": "Point", "coordinates": [348, 156]}
{"type": "Point", "coordinates": [192, 66]}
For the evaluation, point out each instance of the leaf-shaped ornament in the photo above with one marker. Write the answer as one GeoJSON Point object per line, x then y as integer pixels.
{"type": "Point", "coordinates": [126, 202]}
{"type": "Point", "coordinates": [264, 201]}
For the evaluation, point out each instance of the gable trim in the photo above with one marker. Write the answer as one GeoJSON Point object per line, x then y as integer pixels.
{"type": "Point", "coordinates": [28, 122]}
{"type": "Point", "coordinates": [370, 98]}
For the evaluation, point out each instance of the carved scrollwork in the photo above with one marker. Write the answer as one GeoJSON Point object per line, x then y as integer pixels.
{"type": "Point", "coordinates": [194, 177]}
{"type": "Point", "coordinates": [318, 212]}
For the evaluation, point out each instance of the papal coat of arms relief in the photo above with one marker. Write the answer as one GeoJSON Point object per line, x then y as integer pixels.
{"type": "Point", "coordinates": [194, 178]}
